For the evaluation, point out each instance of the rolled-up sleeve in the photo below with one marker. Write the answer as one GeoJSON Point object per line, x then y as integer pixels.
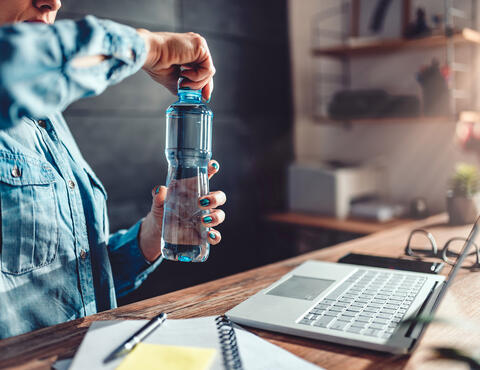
{"type": "Point", "coordinates": [129, 266]}
{"type": "Point", "coordinates": [37, 73]}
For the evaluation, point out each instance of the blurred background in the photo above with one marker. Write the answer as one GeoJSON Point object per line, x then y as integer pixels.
{"type": "Point", "coordinates": [332, 120]}
{"type": "Point", "coordinates": [122, 132]}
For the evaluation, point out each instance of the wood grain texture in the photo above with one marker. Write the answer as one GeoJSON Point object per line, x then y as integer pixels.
{"type": "Point", "coordinates": [36, 350]}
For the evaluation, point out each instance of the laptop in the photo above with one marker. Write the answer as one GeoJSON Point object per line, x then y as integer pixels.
{"type": "Point", "coordinates": [355, 305]}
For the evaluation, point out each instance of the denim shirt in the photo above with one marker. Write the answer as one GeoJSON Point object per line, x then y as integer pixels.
{"type": "Point", "coordinates": [57, 259]}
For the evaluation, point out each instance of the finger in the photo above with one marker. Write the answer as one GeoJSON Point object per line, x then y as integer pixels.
{"type": "Point", "coordinates": [159, 193]}
{"type": "Point", "coordinates": [197, 74]}
{"type": "Point", "coordinates": [213, 200]}
{"type": "Point", "coordinates": [213, 168]}
{"type": "Point", "coordinates": [214, 236]}
{"type": "Point", "coordinates": [199, 85]}
{"type": "Point", "coordinates": [207, 91]}
{"type": "Point", "coordinates": [214, 218]}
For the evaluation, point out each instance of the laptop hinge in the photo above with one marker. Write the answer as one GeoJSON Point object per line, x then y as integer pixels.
{"type": "Point", "coordinates": [416, 329]}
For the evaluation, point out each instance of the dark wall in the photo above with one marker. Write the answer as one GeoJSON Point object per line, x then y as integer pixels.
{"type": "Point", "coordinates": [121, 132]}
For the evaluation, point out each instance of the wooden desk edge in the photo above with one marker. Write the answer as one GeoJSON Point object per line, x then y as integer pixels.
{"type": "Point", "coordinates": [212, 298]}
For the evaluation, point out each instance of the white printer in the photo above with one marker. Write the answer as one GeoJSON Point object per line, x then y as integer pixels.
{"type": "Point", "coordinates": [329, 188]}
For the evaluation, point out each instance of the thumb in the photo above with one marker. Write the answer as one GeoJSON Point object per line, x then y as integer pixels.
{"type": "Point", "coordinates": [159, 193]}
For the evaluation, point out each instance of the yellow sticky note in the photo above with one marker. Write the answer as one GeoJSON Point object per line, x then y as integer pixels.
{"type": "Point", "coordinates": [146, 356]}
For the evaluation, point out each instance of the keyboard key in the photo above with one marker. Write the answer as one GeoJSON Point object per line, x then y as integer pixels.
{"type": "Point", "coordinates": [359, 325]}
{"type": "Point", "coordinates": [376, 326]}
{"type": "Point", "coordinates": [362, 300]}
{"type": "Point", "coordinates": [371, 309]}
{"type": "Point", "coordinates": [323, 321]}
{"type": "Point", "coordinates": [381, 321]}
{"type": "Point", "coordinates": [354, 309]}
{"type": "Point", "coordinates": [331, 313]}
{"type": "Point", "coordinates": [336, 309]}
{"type": "Point", "coordinates": [321, 306]}
{"type": "Point", "coordinates": [366, 314]}
{"type": "Point", "coordinates": [387, 311]}
{"type": "Point", "coordinates": [371, 332]}
{"type": "Point", "coordinates": [339, 325]}
{"type": "Point", "coordinates": [306, 322]}
{"type": "Point", "coordinates": [345, 318]}
{"type": "Point", "coordinates": [357, 304]}
{"type": "Point", "coordinates": [354, 330]}
{"type": "Point", "coordinates": [384, 316]}
{"type": "Point", "coordinates": [362, 319]}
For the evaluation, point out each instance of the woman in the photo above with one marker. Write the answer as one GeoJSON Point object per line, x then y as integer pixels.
{"type": "Point", "coordinates": [58, 262]}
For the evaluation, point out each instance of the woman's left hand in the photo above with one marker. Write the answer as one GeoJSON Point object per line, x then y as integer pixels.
{"type": "Point", "coordinates": [151, 229]}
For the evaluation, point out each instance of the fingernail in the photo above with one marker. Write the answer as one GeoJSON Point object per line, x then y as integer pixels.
{"type": "Point", "coordinates": [207, 219]}
{"type": "Point", "coordinates": [215, 165]}
{"type": "Point", "coordinates": [204, 202]}
{"type": "Point", "coordinates": [157, 189]}
{"type": "Point", "coordinates": [210, 98]}
{"type": "Point", "coordinates": [212, 235]}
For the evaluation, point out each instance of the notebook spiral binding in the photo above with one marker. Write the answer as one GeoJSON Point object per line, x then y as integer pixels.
{"type": "Point", "coordinates": [228, 344]}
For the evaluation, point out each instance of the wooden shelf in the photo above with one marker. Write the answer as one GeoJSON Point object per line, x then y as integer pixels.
{"type": "Point", "coordinates": [324, 222]}
{"type": "Point", "coordinates": [406, 120]}
{"type": "Point", "coordinates": [467, 35]}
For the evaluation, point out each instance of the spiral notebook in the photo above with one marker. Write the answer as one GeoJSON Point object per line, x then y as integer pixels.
{"type": "Point", "coordinates": [235, 347]}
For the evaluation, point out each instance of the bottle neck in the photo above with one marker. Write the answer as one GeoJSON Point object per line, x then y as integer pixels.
{"type": "Point", "coordinates": [190, 96]}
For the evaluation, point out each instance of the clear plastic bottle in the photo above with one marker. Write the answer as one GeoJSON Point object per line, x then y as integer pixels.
{"type": "Point", "coordinates": [188, 150]}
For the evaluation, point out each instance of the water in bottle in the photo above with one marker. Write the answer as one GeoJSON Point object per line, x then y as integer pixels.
{"type": "Point", "coordinates": [188, 151]}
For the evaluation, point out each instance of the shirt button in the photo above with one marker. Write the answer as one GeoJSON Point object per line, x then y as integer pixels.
{"type": "Point", "coordinates": [83, 254]}
{"type": "Point", "coordinates": [16, 172]}
{"type": "Point", "coordinates": [42, 123]}
{"type": "Point", "coordinates": [71, 184]}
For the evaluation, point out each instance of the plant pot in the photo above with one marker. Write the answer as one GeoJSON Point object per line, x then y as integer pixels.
{"type": "Point", "coordinates": [462, 210]}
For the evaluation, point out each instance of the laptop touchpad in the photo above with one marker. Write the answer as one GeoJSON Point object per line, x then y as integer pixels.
{"type": "Point", "coordinates": [301, 287]}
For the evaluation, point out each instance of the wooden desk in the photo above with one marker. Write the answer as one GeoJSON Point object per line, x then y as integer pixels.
{"type": "Point", "coordinates": [38, 349]}
{"type": "Point", "coordinates": [349, 225]}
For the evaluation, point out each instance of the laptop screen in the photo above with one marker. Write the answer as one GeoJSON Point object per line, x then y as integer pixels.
{"type": "Point", "coordinates": [453, 272]}
{"type": "Point", "coordinates": [458, 263]}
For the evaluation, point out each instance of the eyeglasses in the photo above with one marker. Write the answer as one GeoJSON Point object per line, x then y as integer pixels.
{"type": "Point", "coordinates": [421, 243]}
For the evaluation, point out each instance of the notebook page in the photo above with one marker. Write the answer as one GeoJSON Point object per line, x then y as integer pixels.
{"type": "Point", "coordinates": [255, 353]}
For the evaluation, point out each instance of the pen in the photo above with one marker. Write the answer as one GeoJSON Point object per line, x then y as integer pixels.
{"type": "Point", "coordinates": [137, 337]}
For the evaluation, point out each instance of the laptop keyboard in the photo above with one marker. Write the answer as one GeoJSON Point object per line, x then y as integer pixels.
{"type": "Point", "coordinates": [369, 303]}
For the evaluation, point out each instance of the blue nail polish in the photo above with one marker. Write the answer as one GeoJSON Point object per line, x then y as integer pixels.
{"type": "Point", "coordinates": [207, 219]}
{"type": "Point", "coordinates": [212, 236]}
{"type": "Point", "coordinates": [204, 202]}
{"type": "Point", "coordinates": [210, 98]}
{"type": "Point", "coordinates": [215, 165]}
{"type": "Point", "coordinates": [157, 189]}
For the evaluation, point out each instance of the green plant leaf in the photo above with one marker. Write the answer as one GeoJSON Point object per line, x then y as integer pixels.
{"type": "Point", "coordinates": [466, 180]}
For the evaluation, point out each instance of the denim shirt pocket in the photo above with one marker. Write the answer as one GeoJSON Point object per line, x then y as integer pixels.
{"type": "Point", "coordinates": [28, 205]}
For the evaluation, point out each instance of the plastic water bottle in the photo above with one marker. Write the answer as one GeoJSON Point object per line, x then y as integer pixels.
{"type": "Point", "coordinates": [188, 150]}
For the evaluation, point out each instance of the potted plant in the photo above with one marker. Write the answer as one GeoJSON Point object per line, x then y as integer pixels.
{"type": "Point", "coordinates": [463, 198]}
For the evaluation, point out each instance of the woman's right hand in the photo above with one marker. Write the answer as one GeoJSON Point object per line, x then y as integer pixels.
{"type": "Point", "coordinates": [173, 55]}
